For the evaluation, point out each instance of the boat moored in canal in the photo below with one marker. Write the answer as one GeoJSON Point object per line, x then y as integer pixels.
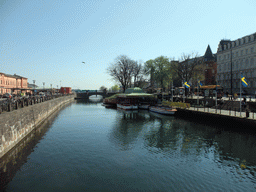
{"type": "Point", "coordinates": [163, 110]}
{"type": "Point", "coordinates": [133, 99]}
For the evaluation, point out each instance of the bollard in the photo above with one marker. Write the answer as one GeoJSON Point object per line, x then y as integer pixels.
{"type": "Point", "coordinates": [22, 103]}
{"type": "Point", "coordinates": [17, 105]}
{"type": "Point", "coordinates": [9, 107]}
{"type": "Point", "coordinates": [247, 114]}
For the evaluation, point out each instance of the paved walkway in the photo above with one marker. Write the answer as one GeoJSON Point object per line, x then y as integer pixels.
{"type": "Point", "coordinates": [224, 112]}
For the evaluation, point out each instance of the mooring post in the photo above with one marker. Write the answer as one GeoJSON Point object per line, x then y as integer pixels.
{"type": "Point", "coordinates": [9, 107]}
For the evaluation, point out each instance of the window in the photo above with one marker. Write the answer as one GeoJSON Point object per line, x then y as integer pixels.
{"type": "Point", "coordinates": [252, 60]}
{"type": "Point", "coordinates": [246, 62]}
{"type": "Point", "coordinates": [246, 51]}
{"type": "Point", "coordinates": [242, 52]}
{"type": "Point", "coordinates": [252, 49]}
{"type": "Point", "coordinates": [237, 54]}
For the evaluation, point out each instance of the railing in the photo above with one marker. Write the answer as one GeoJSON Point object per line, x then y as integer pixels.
{"type": "Point", "coordinates": [245, 113]}
{"type": "Point", "coordinates": [21, 102]}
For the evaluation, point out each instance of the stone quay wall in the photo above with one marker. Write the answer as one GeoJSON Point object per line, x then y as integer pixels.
{"type": "Point", "coordinates": [16, 125]}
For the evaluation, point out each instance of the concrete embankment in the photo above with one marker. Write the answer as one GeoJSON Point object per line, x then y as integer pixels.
{"type": "Point", "coordinates": [223, 118]}
{"type": "Point", "coordinates": [16, 125]}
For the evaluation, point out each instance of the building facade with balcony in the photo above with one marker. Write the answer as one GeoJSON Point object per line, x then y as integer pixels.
{"type": "Point", "coordinates": [235, 57]}
{"type": "Point", "coordinates": [13, 84]}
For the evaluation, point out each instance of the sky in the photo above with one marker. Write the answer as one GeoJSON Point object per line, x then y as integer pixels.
{"type": "Point", "coordinates": [47, 40]}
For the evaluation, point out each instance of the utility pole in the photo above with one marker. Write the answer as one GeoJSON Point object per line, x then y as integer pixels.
{"type": "Point", "coordinates": [34, 81]}
{"type": "Point", "coordinates": [231, 77]}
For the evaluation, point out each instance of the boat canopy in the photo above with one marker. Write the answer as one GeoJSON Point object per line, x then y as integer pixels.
{"type": "Point", "coordinates": [133, 90]}
{"type": "Point", "coordinates": [136, 95]}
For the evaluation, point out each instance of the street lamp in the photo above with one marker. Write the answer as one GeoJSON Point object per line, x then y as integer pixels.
{"type": "Point", "coordinates": [43, 85]}
{"type": "Point", "coordinates": [231, 88]}
{"type": "Point", "coordinates": [34, 81]}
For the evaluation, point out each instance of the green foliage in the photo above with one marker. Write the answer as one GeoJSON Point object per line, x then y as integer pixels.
{"type": "Point", "coordinates": [115, 88]}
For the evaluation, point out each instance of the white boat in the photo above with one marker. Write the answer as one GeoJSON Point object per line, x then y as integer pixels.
{"type": "Point", "coordinates": [163, 110]}
{"type": "Point", "coordinates": [144, 107]}
{"type": "Point", "coordinates": [127, 106]}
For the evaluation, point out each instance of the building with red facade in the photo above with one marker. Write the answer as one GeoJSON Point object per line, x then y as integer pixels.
{"type": "Point", "coordinates": [65, 90]}
{"type": "Point", "coordinates": [13, 84]}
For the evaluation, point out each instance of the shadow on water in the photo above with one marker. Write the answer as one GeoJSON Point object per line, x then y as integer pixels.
{"type": "Point", "coordinates": [11, 162]}
{"type": "Point", "coordinates": [127, 128]}
{"type": "Point", "coordinates": [179, 138]}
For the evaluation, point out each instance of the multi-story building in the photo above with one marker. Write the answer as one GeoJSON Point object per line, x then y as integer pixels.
{"type": "Point", "coordinates": [205, 70]}
{"type": "Point", "coordinates": [235, 57]}
{"type": "Point", "coordinates": [13, 84]}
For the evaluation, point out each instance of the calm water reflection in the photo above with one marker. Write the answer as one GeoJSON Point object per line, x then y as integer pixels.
{"type": "Point", "coordinates": [88, 147]}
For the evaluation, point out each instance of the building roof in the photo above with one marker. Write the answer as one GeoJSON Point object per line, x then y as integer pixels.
{"type": "Point", "coordinates": [208, 56]}
{"type": "Point", "coordinates": [14, 76]}
{"type": "Point", "coordinates": [133, 90]}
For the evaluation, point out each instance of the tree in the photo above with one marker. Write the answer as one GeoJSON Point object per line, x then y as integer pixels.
{"type": "Point", "coordinates": [103, 88]}
{"type": "Point", "coordinates": [161, 70]}
{"type": "Point", "coordinates": [149, 69]}
{"type": "Point", "coordinates": [185, 68]}
{"type": "Point", "coordinates": [137, 71]}
{"type": "Point", "coordinates": [121, 70]}
{"type": "Point", "coordinates": [115, 88]}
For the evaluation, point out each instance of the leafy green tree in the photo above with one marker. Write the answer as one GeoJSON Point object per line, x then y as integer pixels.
{"type": "Point", "coordinates": [162, 66]}
{"type": "Point", "coordinates": [149, 69]}
{"type": "Point", "coordinates": [115, 88]}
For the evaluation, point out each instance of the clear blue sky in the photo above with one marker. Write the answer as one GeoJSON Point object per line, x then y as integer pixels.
{"type": "Point", "coordinates": [47, 40]}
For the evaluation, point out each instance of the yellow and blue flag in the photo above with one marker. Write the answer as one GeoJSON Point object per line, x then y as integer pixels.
{"type": "Point", "coordinates": [186, 84]}
{"type": "Point", "coordinates": [200, 84]}
{"type": "Point", "coordinates": [244, 83]}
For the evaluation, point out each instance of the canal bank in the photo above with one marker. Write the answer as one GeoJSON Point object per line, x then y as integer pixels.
{"type": "Point", "coordinates": [16, 125]}
{"type": "Point", "coordinates": [223, 118]}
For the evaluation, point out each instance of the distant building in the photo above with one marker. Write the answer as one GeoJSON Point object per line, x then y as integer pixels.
{"type": "Point", "coordinates": [65, 90]}
{"type": "Point", "coordinates": [210, 62]}
{"type": "Point", "coordinates": [241, 54]}
{"type": "Point", "coordinates": [13, 84]}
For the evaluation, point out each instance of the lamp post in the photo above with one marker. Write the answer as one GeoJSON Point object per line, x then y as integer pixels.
{"type": "Point", "coordinates": [172, 91]}
{"type": "Point", "coordinates": [43, 85]}
{"type": "Point", "coordinates": [231, 76]}
{"type": "Point", "coordinates": [34, 81]}
{"type": "Point", "coordinates": [51, 88]}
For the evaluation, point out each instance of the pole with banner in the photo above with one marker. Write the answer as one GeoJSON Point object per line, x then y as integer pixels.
{"type": "Point", "coordinates": [245, 84]}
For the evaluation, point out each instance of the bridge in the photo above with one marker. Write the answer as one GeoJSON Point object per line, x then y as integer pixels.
{"type": "Point", "coordinates": [87, 94]}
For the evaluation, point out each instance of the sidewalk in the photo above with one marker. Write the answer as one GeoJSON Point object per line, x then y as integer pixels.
{"type": "Point", "coordinates": [252, 116]}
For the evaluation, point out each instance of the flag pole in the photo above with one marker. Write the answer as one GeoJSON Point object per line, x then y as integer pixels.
{"type": "Point", "coordinates": [197, 92]}
{"type": "Point", "coordinates": [240, 91]}
{"type": "Point", "coordinates": [184, 91]}
{"type": "Point", "coordinates": [172, 91]}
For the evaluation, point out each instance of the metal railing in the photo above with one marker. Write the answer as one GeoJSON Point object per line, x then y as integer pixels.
{"type": "Point", "coordinates": [16, 103]}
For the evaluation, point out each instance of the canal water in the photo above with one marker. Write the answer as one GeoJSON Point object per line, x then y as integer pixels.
{"type": "Point", "coordinates": [86, 147]}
